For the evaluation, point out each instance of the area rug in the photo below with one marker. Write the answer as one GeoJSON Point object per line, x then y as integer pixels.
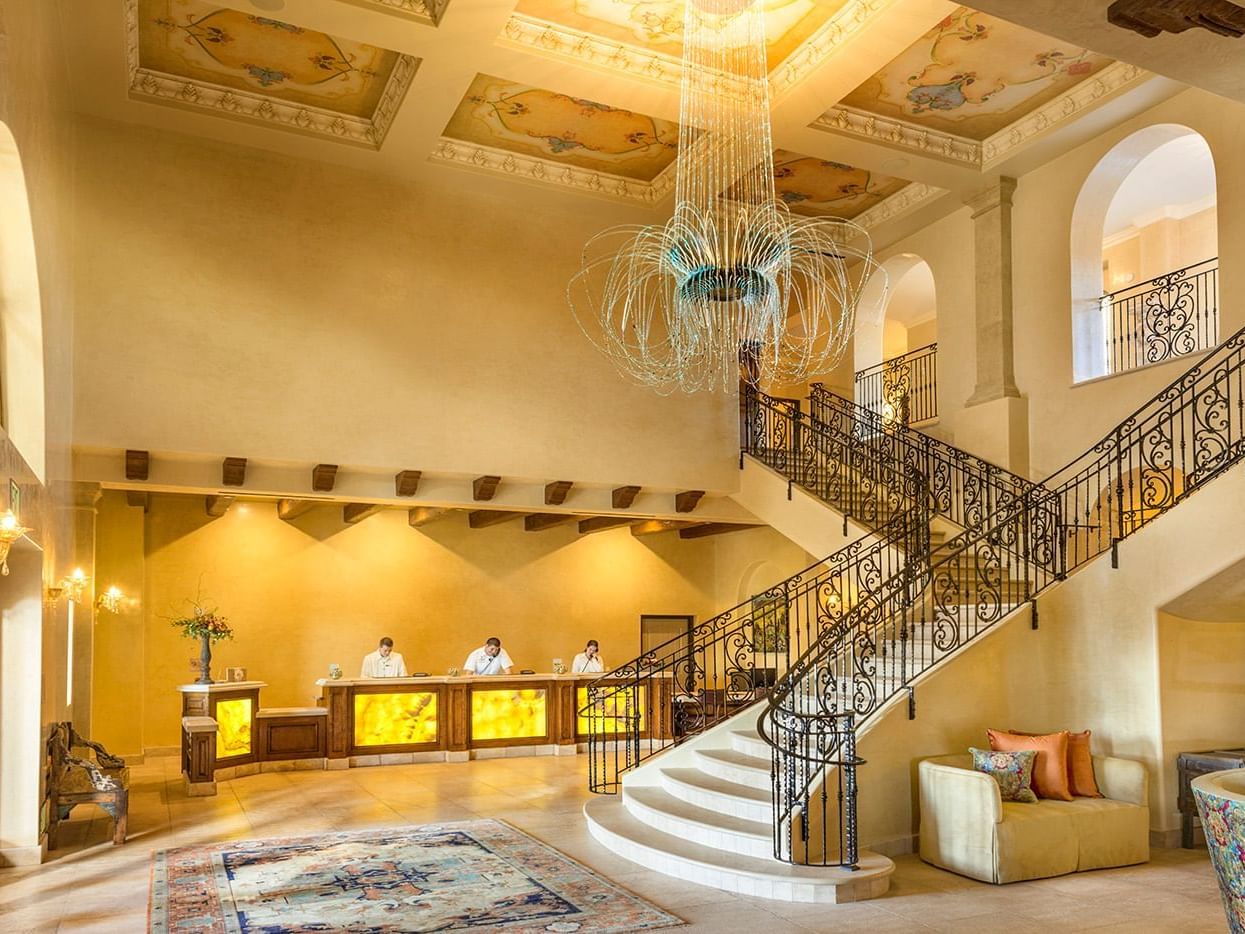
{"type": "Point", "coordinates": [435, 877]}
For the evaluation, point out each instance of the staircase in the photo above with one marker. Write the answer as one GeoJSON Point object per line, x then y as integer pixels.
{"type": "Point", "coordinates": [864, 625]}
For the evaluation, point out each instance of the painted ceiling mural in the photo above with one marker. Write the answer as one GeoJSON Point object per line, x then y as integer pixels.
{"type": "Point", "coordinates": [658, 24]}
{"type": "Point", "coordinates": [535, 122]}
{"type": "Point", "coordinates": [824, 188]}
{"type": "Point", "coordinates": [204, 42]}
{"type": "Point", "coordinates": [972, 75]}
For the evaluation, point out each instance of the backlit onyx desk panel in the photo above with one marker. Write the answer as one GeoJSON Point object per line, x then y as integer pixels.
{"type": "Point", "coordinates": [457, 715]}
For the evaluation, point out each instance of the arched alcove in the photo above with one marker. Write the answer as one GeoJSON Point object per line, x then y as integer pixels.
{"type": "Point", "coordinates": [1144, 244]}
{"type": "Point", "coordinates": [899, 311]}
{"type": "Point", "coordinates": [21, 321]}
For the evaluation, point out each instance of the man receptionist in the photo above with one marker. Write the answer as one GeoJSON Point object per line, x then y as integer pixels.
{"type": "Point", "coordinates": [489, 659]}
{"type": "Point", "coordinates": [384, 662]}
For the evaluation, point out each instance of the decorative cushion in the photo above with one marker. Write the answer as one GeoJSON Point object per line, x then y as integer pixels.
{"type": "Point", "coordinates": [1081, 780]}
{"type": "Point", "coordinates": [1050, 773]}
{"type": "Point", "coordinates": [1012, 770]}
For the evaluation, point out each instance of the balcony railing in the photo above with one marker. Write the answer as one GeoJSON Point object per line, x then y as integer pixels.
{"type": "Point", "coordinates": [902, 390]}
{"type": "Point", "coordinates": [1170, 316]}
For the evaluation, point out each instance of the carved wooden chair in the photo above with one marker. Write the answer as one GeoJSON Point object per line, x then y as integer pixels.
{"type": "Point", "coordinates": [83, 772]}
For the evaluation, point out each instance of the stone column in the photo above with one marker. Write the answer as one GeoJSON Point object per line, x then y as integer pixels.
{"type": "Point", "coordinates": [995, 422]}
{"type": "Point", "coordinates": [81, 501]}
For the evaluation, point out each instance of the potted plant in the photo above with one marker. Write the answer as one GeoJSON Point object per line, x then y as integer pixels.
{"type": "Point", "coordinates": [208, 626]}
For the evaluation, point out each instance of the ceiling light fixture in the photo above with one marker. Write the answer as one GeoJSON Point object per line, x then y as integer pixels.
{"type": "Point", "coordinates": [10, 531]}
{"type": "Point", "coordinates": [732, 278]}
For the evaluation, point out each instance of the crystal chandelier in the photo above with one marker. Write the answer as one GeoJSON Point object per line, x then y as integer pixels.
{"type": "Point", "coordinates": [732, 284]}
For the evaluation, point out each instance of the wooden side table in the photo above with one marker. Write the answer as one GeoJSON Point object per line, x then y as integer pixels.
{"type": "Point", "coordinates": [1189, 765]}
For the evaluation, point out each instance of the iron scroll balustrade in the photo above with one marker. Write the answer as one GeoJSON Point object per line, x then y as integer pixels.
{"type": "Point", "coordinates": [903, 389]}
{"type": "Point", "coordinates": [1180, 440]}
{"type": "Point", "coordinates": [1166, 317]}
{"type": "Point", "coordinates": [965, 489]}
{"type": "Point", "coordinates": [728, 662]}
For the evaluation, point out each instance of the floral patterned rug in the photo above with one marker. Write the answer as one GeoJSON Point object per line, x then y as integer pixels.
{"type": "Point", "coordinates": [436, 877]}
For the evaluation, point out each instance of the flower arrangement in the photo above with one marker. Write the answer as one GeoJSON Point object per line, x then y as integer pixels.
{"type": "Point", "coordinates": [204, 622]}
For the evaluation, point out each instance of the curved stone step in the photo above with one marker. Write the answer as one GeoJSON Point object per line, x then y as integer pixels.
{"type": "Point", "coordinates": [706, 791]}
{"type": "Point", "coordinates": [660, 810]}
{"type": "Point", "coordinates": [734, 767]}
{"type": "Point", "coordinates": [619, 831]}
{"type": "Point", "coordinates": [750, 743]}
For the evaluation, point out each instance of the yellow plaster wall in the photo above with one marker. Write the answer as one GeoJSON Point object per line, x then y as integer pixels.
{"type": "Point", "coordinates": [239, 302]}
{"type": "Point", "coordinates": [1160, 248]}
{"type": "Point", "coordinates": [304, 594]}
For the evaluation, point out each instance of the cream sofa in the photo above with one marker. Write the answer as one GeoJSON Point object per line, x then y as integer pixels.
{"type": "Point", "coordinates": [967, 827]}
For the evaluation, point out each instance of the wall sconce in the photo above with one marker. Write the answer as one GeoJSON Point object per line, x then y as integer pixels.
{"type": "Point", "coordinates": [10, 531]}
{"type": "Point", "coordinates": [75, 584]}
{"type": "Point", "coordinates": [52, 596]}
{"type": "Point", "coordinates": [833, 604]}
{"type": "Point", "coordinates": [110, 600]}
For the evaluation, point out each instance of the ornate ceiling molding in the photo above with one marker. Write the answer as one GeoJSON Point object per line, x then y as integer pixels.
{"type": "Point", "coordinates": [426, 11]}
{"type": "Point", "coordinates": [547, 172]}
{"type": "Point", "coordinates": [205, 97]}
{"type": "Point", "coordinates": [851, 121]}
{"type": "Point", "coordinates": [814, 51]}
{"type": "Point", "coordinates": [538, 35]}
{"type": "Point", "coordinates": [908, 198]}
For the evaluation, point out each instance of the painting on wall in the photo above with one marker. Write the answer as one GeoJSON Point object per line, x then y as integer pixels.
{"type": "Point", "coordinates": [769, 623]}
{"type": "Point", "coordinates": [972, 75]}
{"type": "Point", "coordinates": [657, 25]}
{"type": "Point", "coordinates": [825, 188]}
{"type": "Point", "coordinates": [204, 42]}
{"type": "Point", "coordinates": [534, 122]}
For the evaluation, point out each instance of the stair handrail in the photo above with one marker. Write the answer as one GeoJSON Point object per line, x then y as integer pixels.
{"type": "Point", "coordinates": [1040, 536]}
{"type": "Point", "coordinates": [713, 670]}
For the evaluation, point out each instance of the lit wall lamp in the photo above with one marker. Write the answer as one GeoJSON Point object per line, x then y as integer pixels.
{"type": "Point", "coordinates": [75, 584]}
{"type": "Point", "coordinates": [110, 600]}
{"type": "Point", "coordinates": [10, 531]}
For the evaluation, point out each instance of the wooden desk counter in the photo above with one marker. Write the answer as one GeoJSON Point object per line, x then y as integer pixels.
{"type": "Point", "coordinates": [455, 717]}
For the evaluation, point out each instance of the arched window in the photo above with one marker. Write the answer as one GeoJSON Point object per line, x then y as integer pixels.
{"type": "Point", "coordinates": [896, 342]}
{"type": "Point", "coordinates": [1145, 254]}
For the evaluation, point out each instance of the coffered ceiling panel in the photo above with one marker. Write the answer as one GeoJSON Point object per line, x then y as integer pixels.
{"type": "Point", "coordinates": [823, 188]}
{"type": "Point", "coordinates": [503, 115]}
{"type": "Point", "coordinates": [426, 11]}
{"type": "Point", "coordinates": [657, 25]}
{"type": "Point", "coordinates": [972, 75]}
{"type": "Point", "coordinates": [196, 53]}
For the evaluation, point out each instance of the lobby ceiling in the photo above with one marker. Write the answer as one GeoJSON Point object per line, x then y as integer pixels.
{"type": "Point", "coordinates": [881, 108]}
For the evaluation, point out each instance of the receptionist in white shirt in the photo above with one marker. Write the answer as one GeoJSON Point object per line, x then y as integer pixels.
{"type": "Point", "coordinates": [384, 662]}
{"type": "Point", "coordinates": [589, 660]}
{"type": "Point", "coordinates": [489, 659]}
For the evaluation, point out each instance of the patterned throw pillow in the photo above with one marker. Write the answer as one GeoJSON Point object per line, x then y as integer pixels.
{"type": "Point", "coordinates": [1012, 770]}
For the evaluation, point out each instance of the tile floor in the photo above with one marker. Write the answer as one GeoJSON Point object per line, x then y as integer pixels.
{"type": "Point", "coordinates": [92, 886]}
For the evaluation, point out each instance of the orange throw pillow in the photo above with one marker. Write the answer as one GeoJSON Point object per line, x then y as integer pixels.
{"type": "Point", "coordinates": [1081, 780]}
{"type": "Point", "coordinates": [1050, 772]}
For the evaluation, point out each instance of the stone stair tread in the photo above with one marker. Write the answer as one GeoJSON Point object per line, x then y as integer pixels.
{"type": "Point", "coordinates": [739, 760]}
{"type": "Point", "coordinates": [660, 800]}
{"type": "Point", "coordinates": [610, 815]}
{"type": "Point", "coordinates": [720, 786]}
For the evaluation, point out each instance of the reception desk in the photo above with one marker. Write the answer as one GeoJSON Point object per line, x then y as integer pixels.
{"type": "Point", "coordinates": [442, 718]}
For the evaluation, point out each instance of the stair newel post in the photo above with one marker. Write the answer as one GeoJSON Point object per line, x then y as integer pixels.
{"type": "Point", "coordinates": [1118, 532]}
{"type": "Point", "coordinates": [851, 855]}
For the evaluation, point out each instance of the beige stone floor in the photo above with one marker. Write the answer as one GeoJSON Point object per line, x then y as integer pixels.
{"type": "Point", "coordinates": [93, 886]}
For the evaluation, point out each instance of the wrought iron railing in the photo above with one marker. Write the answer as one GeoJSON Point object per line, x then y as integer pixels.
{"type": "Point", "coordinates": [1186, 436]}
{"type": "Point", "coordinates": [1170, 316]}
{"type": "Point", "coordinates": [903, 389]}
{"type": "Point", "coordinates": [730, 661]}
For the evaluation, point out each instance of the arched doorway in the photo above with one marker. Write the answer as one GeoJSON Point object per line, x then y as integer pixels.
{"type": "Point", "coordinates": [1144, 244]}
{"type": "Point", "coordinates": [896, 342]}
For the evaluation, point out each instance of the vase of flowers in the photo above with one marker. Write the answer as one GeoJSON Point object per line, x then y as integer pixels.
{"type": "Point", "coordinates": [208, 626]}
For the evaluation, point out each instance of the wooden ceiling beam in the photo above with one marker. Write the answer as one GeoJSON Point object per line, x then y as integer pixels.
{"type": "Point", "coordinates": [601, 523]}
{"type": "Point", "coordinates": [539, 521]}
{"type": "Point", "coordinates": [293, 508]}
{"type": "Point", "coordinates": [687, 500]}
{"type": "Point", "coordinates": [233, 471]}
{"type": "Point", "coordinates": [624, 496]}
{"type": "Point", "coordinates": [653, 526]}
{"type": "Point", "coordinates": [483, 518]}
{"type": "Point", "coordinates": [323, 476]}
{"type": "Point", "coordinates": [138, 498]}
{"type": "Point", "coordinates": [357, 512]}
{"type": "Point", "coordinates": [483, 488]}
{"type": "Point", "coordinates": [706, 529]}
{"type": "Point", "coordinates": [217, 506]}
{"type": "Point", "coordinates": [406, 482]}
{"type": "Point", "coordinates": [137, 465]}
{"type": "Point", "coordinates": [419, 516]}
{"type": "Point", "coordinates": [555, 492]}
